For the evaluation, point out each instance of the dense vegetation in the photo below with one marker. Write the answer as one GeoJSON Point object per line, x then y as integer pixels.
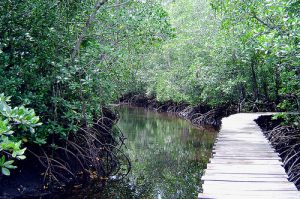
{"type": "Point", "coordinates": [67, 60]}
{"type": "Point", "coordinates": [16, 125]}
{"type": "Point", "coordinates": [246, 53]}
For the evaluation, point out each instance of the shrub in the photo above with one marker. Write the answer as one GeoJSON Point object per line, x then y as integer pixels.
{"type": "Point", "coordinates": [17, 125]}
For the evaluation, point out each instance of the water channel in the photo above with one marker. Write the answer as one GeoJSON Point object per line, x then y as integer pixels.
{"type": "Point", "coordinates": [168, 156]}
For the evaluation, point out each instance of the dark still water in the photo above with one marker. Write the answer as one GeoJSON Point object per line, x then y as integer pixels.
{"type": "Point", "coordinates": [168, 156]}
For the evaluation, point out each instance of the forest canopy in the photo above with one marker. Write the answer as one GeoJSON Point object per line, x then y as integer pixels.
{"type": "Point", "coordinates": [225, 52]}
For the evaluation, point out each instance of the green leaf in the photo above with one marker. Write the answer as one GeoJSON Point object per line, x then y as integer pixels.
{"type": "Point", "coordinates": [5, 171]}
{"type": "Point", "coordinates": [2, 160]}
{"type": "Point", "coordinates": [31, 130]}
{"type": "Point", "coordinates": [21, 157]}
{"type": "Point", "coordinates": [8, 163]}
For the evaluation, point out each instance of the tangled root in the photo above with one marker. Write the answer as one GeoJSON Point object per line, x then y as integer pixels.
{"type": "Point", "coordinates": [91, 156]}
{"type": "Point", "coordinates": [286, 140]}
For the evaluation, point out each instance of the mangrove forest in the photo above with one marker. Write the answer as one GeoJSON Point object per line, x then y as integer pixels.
{"type": "Point", "coordinates": [123, 99]}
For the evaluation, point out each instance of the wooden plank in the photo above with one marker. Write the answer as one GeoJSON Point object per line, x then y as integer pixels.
{"type": "Point", "coordinates": [242, 138]}
{"type": "Point", "coordinates": [244, 178]}
{"type": "Point", "coordinates": [228, 144]}
{"type": "Point", "coordinates": [272, 195]}
{"type": "Point", "coordinates": [245, 153]}
{"type": "Point", "coordinates": [245, 147]}
{"type": "Point", "coordinates": [248, 155]}
{"type": "Point", "coordinates": [245, 167]}
{"type": "Point", "coordinates": [243, 161]}
{"type": "Point", "coordinates": [247, 158]}
{"type": "Point", "coordinates": [237, 150]}
{"type": "Point", "coordinates": [239, 144]}
{"type": "Point", "coordinates": [241, 150]}
{"type": "Point", "coordinates": [247, 186]}
{"type": "Point", "coordinates": [253, 185]}
{"type": "Point", "coordinates": [214, 171]}
{"type": "Point", "coordinates": [264, 171]}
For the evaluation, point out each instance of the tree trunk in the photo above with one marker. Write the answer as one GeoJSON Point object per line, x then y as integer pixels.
{"type": "Point", "coordinates": [242, 92]}
{"type": "Point", "coordinates": [254, 78]}
{"type": "Point", "coordinates": [277, 84]}
{"type": "Point", "coordinates": [266, 94]}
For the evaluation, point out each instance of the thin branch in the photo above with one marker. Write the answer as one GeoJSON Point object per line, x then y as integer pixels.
{"type": "Point", "coordinates": [118, 5]}
{"type": "Point", "coordinates": [272, 27]}
{"type": "Point", "coordinates": [88, 23]}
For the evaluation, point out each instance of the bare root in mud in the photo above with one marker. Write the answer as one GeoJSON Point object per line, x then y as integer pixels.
{"type": "Point", "coordinates": [93, 155]}
{"type": "Point", "coordinates": [286, 141]}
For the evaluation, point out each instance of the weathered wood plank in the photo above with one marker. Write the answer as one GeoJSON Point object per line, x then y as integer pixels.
{"type": "Point", "coordinates": [245, 167]}
{"type": "Point", "coordinates": [242, 161]}
{"type": "Point", "coordinates": [243, 178]}
{"type": "Point", "coordinates": [214, 172]}
{"type": "Point", "coordinates": [261, 187]}
{"type": "Point", "coordinates": [210, 172]}
{"type": "Point", "coordinates": [286, 185]}
{"type": "Point", "coordinates": [275, 156]}
{"type": "Point", "coordinates": [249, 195]}
{"type": "Point", "coordinates": [244, 164]}
{"type": "Point", "coordinates": [245, 153]}
{"type": "Point", "coordinates": [265, 171]}
{"type": "Point", "coordinates": [248, 158]}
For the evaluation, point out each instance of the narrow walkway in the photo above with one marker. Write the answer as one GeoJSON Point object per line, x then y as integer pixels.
{"type": "Point", "coordinates": [244, 164]}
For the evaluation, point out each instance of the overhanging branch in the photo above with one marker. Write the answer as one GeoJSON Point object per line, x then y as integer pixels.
{"type": "Point", "coordinates": [88, 23]}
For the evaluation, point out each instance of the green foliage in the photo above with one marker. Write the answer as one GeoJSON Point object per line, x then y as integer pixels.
{"type": "Point", "coordinates": [36, 43]}
{"type": "Point", "coordinates": [288, 119]}
{"type": "Point", "coordinates": [191, 66]}
{"type": "Point", "coordinates": [228, 52]}
{"type": "Point", "coordinates": [6, 165]}
{"type": "Point", "coordinates": [67, 60]}
{"type": "Point", "coordinates": [16, 124]}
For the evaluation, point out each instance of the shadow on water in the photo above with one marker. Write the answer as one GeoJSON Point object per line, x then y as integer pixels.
{"type": "Point", "coordinates": [168, 156]}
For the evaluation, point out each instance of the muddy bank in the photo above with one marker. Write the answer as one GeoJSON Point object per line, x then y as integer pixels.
{"type": "Point", "coordinates": [197, 115]}
{"type": "Point", "coordinates": [84, 161]}
{"type": "Point", "coordinates": [286, 141]}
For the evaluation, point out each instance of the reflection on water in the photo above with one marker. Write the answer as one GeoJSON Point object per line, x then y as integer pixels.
{"type": "Point", "coordinates": [168, 156]}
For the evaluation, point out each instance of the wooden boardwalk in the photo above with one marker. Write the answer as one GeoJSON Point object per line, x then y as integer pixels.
{"type": "Point", "coordinates": [244, 164]}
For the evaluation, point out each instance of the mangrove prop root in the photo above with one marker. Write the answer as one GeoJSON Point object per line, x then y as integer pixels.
{"type": "Point", "coordinates": [93, 154]}
{"type": "Point", "coordinates": [286, 141]}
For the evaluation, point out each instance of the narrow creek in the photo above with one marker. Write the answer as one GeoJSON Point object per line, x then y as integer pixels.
{"type": "Point", "coordinates": [168, 156]}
